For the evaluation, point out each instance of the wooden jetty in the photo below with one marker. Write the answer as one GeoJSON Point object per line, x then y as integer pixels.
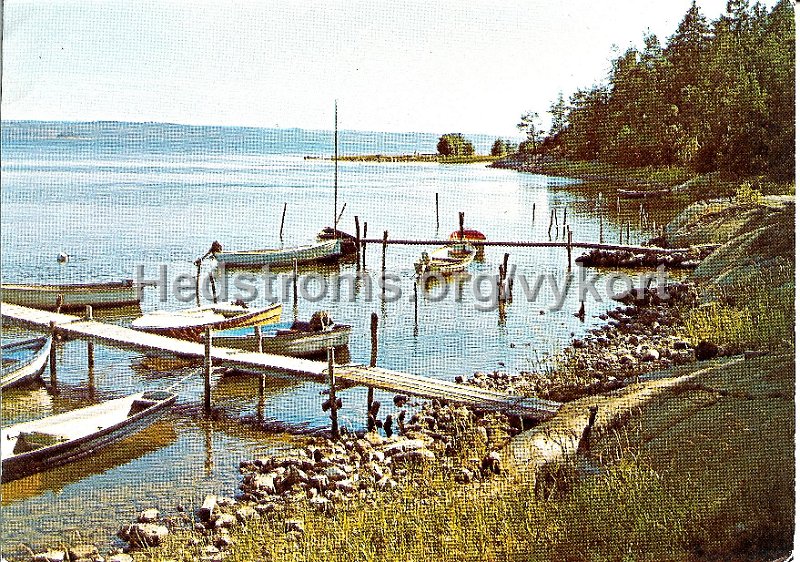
{"type": "Point", "coordinates": [527, 244]}
{"type": "Point", "coordinates": [345, 375]}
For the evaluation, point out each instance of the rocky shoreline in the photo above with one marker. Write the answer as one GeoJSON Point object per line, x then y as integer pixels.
{"type": "Point", "coordinates": [670, 259]}
{"type": "Point", "coordinates": [642, 334]}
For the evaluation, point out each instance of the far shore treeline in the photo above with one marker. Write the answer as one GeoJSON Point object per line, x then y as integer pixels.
{"type": "Point", "coordinates": [718, 96]}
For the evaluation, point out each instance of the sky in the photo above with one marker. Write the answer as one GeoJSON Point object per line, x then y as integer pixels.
{"type": "Point", "coordinates": [433, 66]}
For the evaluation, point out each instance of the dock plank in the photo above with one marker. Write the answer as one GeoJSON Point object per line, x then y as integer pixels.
{"type": "Point", "coordinates": [377, 377]}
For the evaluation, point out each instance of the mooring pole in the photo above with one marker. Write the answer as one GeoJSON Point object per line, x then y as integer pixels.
{"type": "Point", "coordinates": [383, 262]}
{"type": "Point", "coordinates": [259, 339]}
{"type": "Point", "coordinates": [283, 218]}
{"type": "Point", "coordinates": [569, 249]}
{"type": "Point", "coordinates": [90, 354]}
{"type": "Point", "coordinates": [437, 212]}
{"type": "Point", "coordinates": [53, 340]}
{"type": "Point", "coordinates": [461, 226]}
{"type": "Point", "coordinates": [332, 396]}
{"type": "Point", "coordinates": [373, 330]}
{"type": "Point", "coordinates": [629, 232]}
{"type": "Point", "coordinates": [364, 248]}
{"type": "Point", "coordinates": [294, 289]}
{"type": "Point", "coordinates": [358, 243]}
{"type": "Point", "coordinates": [601, 228]}
{"type": "Point", "coordinates": [207, 372]}
{"type": "Point", "coordinates": [564, 222]}
{"type": "Point", "coordinates": [197, 264]}
{"type": "Point", "coordinates": [533, 214]}
{"type": "Point", "coordinates": [415, 304]}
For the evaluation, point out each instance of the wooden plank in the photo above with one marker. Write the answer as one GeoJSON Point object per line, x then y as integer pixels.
{"type": "Point", "coordinates": [528, 244]}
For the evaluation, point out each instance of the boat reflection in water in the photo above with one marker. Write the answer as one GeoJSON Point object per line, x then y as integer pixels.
{"type": "Point", "coordinates": [156, 437]}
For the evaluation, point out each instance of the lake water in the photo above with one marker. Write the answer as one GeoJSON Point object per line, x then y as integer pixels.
{"type": "Point", "coordinates": [117, 196]}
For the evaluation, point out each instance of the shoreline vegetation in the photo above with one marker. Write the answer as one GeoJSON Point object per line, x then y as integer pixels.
{"type": "Point", "coordinates": [437, 158]}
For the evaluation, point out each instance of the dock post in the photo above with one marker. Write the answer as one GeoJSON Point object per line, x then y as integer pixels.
{"type": "Point", "coordinates": [550, 228]}
{"type": "Point", "coordinates": [364, 248]}
{"type": "Point", "coordinates": [358, 243]}
{"type": "Point", "coordinates": [533, 214]}
{"type": "Point", "coordinates": [59, 303]}
{"type": "Point", "coordinates": [601, 228]}
{"type": "Point", "coordinates": [569, 249]}
{"type": "Point", "coordinates": [416, 316]}
{"type": "Point", "coordinates": [259, 339]}
{"type": "Point", "coordinates": [629, 232]}
{"type": "Point", "coordinates": [373, 330]}
{"type": "Point", "coordinates": [294, 289]}
{"type": "Point", "coordinates": [332, 396]}
{"type": "Point", "coordinates": [437, 212]}
{"type": "Point", "coordinates": [207, 373]}
{"type": "Point", "coordinates": [197, 264]}
{"type": "Point", "coordinates": [461, 226]}
{"type": "Point", "coordinates": [620, 233]}
{"type": "Point", "coordinates": [383, 262]}
{"type": "Point", "coordinates": [90, 344]}
{"type": "Point", "coordinates": [53, 377]}
{"type": "Point", "coordinates": [564, 222]}
{"type": "Point", "coordinates": [283, 218]}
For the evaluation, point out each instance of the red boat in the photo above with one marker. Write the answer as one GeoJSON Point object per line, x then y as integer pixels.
{"type": "Point", "coordinates": [469, 235]}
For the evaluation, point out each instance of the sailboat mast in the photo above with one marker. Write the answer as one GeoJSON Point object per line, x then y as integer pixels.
{"type": "Point", "coordinates": [335, 164]}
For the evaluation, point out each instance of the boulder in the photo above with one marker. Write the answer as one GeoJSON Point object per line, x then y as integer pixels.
{"type": "Point", "coordinates": [143, 534]}
{"type": "Point", "coordinates": [224, 521]}
{"type": "Point", "coordinates": [294, 526]}
{"type": "Point", "coordinates": [50, 556]}
{"type": "Point", "coordinates": [334, 473]}
{"type": "Point", "coordinates": [246, 513]}
{"type": "Point", "coordinates": [706, 350]}
{"type": "Point", "coordinates": [80, 551]}
{"type": "Point", "coordinates": [148, 516]}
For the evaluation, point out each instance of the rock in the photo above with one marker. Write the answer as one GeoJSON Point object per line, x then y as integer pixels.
{"type": "Point", "coordinates": [464, 475]}
{"type": "Point", "coordinates": [346, 486]}
{"type": "Point", "coordinates": [578, 344]}
{"type": "Point", "coordinates": [627, 359]}
{"type": "Point", "coordinates": [83, 551]}
{"type": "Point", "coordinates": [402, 446]}
{"type": "Point", "coordinates": [706, 350]}
{"type": "Point", "coordinates": [681, 344]}
{"type": "Point", "coordinates": [246, 513]}
{"type": "Point", "coordinates": [223, 540]}
{"type": "Point", "coordinates": [143, 534]}
{"type": "Point", "coordinates": [120, 557]}
{"type": "Point", "coordinates": [650, 355]}
{"type": "Point", "coordinates": [374, 439]}
{"type": "Point", "coordinates": [50, 556]}
{"type": "Point", "coordinates": [334, 473]}
{"type": "Point", "coordinates": [294, 526]}
{"type": "Point", "coordinates": [225, 521]}
{"type": "Point", "coordinates": [321, 504]}
{"type": "Point", "coordinates": [319, 481]}
{"type": "Point", "coordinates": [207, 509]}
{"type": "Point", "coordinates": [264, 508]}
{"type": "Point", "coordinates": [264, 483]}
{"type": "Point", "coordinates": [148, 516]}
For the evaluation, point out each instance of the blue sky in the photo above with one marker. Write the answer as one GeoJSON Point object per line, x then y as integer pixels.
{"type": "Point", "coordinates": [431, 66]}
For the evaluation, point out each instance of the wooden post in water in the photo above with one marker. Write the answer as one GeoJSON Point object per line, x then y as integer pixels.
{"type": "Point", "coordinates": [564, 222]}
{"type": "Point", "coordinates": [262, 377]}
{"type": "Point", "coordinates": [461, 226]}
{"type": "Point", "coordinates": [569, 249]}
{"type": "Point", "coordinates": [533, 214]}
{"type": "Point", "coordinates": [358, 243]}
{"type": "Point", "coordinates": [373, 330]}
{"type": "Point", "coordinates": [601, 228]}
{"type": "Point", "coordinates": [207, 372]}
{"type": "Point", "coordinates": [629, 232]}
{"type": "Point", "coordinates": [364, 248]}
{"type": "Point", "coordinates": [259, 339]}
{"type": "Point", "coordinates": [416, 305]}
{"type": "Point", "coordinates": [383, 261]}
{"type": "Point", "coordinates": [283, 218]}
{"type": "Point", "coordinates": [550, 228]}
{"type": "Point", "coordinates": [437, 213]}
{"type": "Point", "coordinates": [53, 340]}
{"type": "Point", "coordinates": [373, 361]}
{"type": "Point", "coordinates": [60, 302]}
{"type": "Point", "coordinates": [90, 346]}
{"type": "Point", "coordinates": [197, 264]}
{"type": "Point", "coordinates": [294, 287]}
{"type": "Point", "coordinates": [620, 233]}
{"type": "Point", "coordinates": [332, 396]}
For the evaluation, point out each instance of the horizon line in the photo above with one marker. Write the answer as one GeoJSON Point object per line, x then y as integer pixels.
{"type": "Point", "coordinates": [96, 121]}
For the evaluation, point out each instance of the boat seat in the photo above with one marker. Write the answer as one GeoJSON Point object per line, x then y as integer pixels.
{"type": "Point", "coordinates": [139, 406]}
{"type": "Point", "coordinates": [32, 440]}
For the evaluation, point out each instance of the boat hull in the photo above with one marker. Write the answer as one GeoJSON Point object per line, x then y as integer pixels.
{"type": "Point", "coordinates": [328, 250]}
{"type": "Point", "coordinates": [19, 465]}
{"type": "Point", "coordinates": [299, 344]}
{"type": "Point", "coordinates": [75, 296]}
{"type": "Point", "coordinates": [349, 243]}
{"type": "Point", "coordinates": [446, 260]}
{"type": "Point", "coordinates": [196, 332]}
{"type": "Point", "coordinates": [28, 369]}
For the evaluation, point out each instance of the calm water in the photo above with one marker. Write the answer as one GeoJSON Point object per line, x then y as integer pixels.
{"type": "Point", "coordinates": [118, 196]}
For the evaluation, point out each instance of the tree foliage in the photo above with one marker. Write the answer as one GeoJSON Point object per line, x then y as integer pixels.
{"type": "Point", "coordinates": [715, 96]}
{"type": "Point", "coordinates": [454, 144]}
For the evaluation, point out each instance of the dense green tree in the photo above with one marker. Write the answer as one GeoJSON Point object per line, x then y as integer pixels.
{"type": "Point", "coordinates": [454, 144]}
{"type": "Point", "coordinates": [718, 97]}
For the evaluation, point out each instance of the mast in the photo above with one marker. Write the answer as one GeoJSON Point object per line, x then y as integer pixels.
{"type": "Point", "coordinates": [335, 164]}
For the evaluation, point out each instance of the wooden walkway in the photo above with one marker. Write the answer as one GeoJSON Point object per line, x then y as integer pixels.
{"type": "Point", "coordinates": [348, 375]}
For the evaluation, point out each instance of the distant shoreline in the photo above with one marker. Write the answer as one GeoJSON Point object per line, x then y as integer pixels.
{"type": "Point", "coordinates": [411, 158]}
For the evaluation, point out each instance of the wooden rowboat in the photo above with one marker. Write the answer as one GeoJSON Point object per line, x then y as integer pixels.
{"type": "Point", "coordinates": [323, 251]}
{"type": "Point", "coordinates": [446, 260]}
{"type": "Point", "coordinates": [349, 245]}
{"type": "Point", "coordinates": [46, 443]}
{"type": "Point", "coordinates": [75, 296]}
{"type": "Point", "coordinates": [23, 361]}
{"type": "Point", "coordinates": [295, 339]}
{"type": "Point", "coordinates": [191, 324]}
